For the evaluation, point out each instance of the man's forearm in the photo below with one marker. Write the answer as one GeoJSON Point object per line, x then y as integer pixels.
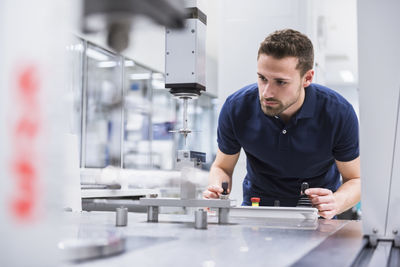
{"type": "Point", "coordinates": [348, 194]}
{"type": "Point", "coordinates": [218, 175]}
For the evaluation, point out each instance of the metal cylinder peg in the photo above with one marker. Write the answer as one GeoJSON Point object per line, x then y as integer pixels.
{"type": "Point", "coordinates": [152, 214]}
{"type": "Point", "coordinates": [200, 219]}
{"type": "Point", "coordinates": [223, 215]}
{"type": "Point", "coordinates": [121, 217]}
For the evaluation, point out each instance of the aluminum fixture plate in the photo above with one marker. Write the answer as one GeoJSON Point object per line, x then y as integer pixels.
{"type": "Point", "coordinates": [177, 202]}
{"type": "Point", "coordinates": [275, 212]}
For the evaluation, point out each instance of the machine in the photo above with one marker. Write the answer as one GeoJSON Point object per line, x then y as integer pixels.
{"type": "Point", "coordinates": [116, 17]}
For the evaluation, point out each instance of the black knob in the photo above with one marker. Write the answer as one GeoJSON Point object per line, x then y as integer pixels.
{"type": "Point", "coordinates": [304, 187]}
{"type": "Point", "coordinates": [304, 201]}
{"type": "Point", "coordinates": [225, 188]}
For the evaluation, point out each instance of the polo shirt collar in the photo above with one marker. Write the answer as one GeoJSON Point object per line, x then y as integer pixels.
{"type": "Point", "coordinates": [308, 108]}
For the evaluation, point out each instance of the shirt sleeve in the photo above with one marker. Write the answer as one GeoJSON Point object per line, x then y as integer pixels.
{"type": "Point", "coordinates": [227, 141]}
{"type": "Point", "coordinates": [346, 146]}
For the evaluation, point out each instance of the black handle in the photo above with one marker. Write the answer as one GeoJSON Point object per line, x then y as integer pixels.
{"type": "Point", "coordinates": [304, 187]}
{"type": "Point", "coordinates": [225, 188]}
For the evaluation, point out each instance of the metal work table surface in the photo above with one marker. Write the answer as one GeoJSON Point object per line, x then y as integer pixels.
{"type": "Point", "coordinates": [173, 241]}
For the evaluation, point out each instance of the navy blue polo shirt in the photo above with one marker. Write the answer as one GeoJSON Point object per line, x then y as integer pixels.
{"type": "Point", "coordinates": [280, 157]}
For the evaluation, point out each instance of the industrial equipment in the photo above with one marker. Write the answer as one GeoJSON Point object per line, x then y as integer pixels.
{"type": "Point", "coordinates": [185, 58]}
{"type": "Point", "coordinates": [116, 17]}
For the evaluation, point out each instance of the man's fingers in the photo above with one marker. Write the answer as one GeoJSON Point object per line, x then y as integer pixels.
{"type": "Point", "coordinates": [210, 194]}
{"type": "Point", "coordinates": [326, 214]}
{"type": "Point", "coordinates": [321, 199]}
{"type": "Point", "coordinates": [325, 207]}
{"type": "Point", "coordinates": [215, 188]}
{"type": "Point", "coordinates": [318, 191]}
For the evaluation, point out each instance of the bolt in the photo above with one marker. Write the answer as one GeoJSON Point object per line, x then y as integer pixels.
{"type": "Point", "coordinates": [375, 231]}
{"type": "Point", "coordinates": [395, 232]}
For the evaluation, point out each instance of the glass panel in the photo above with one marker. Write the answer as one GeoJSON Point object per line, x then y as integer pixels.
{"type": "Point", "coordinates": [74, 94]}
{"type": "Point", "coordinates": [104, 108]}
{"type": "Point", "coordinates": [137, 116]}
{"type": "Point", "coordinates": [164, 120]}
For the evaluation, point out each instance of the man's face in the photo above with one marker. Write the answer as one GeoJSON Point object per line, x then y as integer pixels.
{"type": "Point", "coordinates": [280, 85]}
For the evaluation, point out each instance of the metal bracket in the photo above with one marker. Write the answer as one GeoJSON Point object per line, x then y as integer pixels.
{"type": "Point", "coordinates": [373, 240]}
{"type": "Point", "coordinates": [397, 241]}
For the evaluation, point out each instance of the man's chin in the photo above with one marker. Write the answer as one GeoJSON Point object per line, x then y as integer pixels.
{"type": "Point", "coordinates": [271, 112]}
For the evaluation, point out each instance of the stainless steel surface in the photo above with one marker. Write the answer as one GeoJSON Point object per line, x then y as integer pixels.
{"type": "Point", "coordinates": [152, 213]}
{"type": "Point", "coordinates": [174, 242]}
{"type": "Point", "coordinates": [176, 202]}
{"type": "Point", "coordinates": [81, 249]}
{"type": "Point", "coordinates": [275, 212]}
{"type": "Point", "coordinates": [200, 219]}
{"type": "Point", "coordinates": [344, 244]}
{"type": "Point", "coordinates": [121, 217]}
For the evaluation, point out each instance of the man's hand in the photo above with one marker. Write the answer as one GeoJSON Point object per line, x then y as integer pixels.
{"type": "Point", "coordinates": [324, 200]}
{"type": "Point", "coordinates": [213, 191]}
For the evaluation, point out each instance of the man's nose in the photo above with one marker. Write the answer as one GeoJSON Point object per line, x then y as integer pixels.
{"type": "Point", "coordinates": [268, 91]}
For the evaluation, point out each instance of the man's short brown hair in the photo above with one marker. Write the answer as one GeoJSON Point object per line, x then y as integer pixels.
{"type": "Point", "coordinates": [289, 43]}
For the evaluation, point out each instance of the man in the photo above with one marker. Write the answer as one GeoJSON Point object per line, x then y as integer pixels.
{"type": "Point", "coordinates": [292, 131]}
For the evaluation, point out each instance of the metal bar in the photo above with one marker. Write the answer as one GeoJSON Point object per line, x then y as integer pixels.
{"type": "Point", "coordinates": [89, 204]}
{"type": "Point", "coordinates": [84, 104]}
{"type": "Point", "coordinates": [176, 202]}
{"type": "Point", "coordinates": [394, 260]}
{"type": "Point", "coordinates": [381, 254]}
{"type": "Point", "coordinates": [275, 212]}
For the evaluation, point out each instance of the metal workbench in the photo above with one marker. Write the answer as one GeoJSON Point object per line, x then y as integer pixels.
{"type": "Point", "coordinates": [173, 241]}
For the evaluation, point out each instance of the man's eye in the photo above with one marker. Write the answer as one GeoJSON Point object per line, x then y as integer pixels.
{"type": "Point", "coordinates": [281, 82]}
{"type": "Point", "coordinates": [262, 78]}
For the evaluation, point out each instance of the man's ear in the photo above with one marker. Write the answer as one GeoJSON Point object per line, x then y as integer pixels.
{"type": "Point", "coordinates": [307, 78]}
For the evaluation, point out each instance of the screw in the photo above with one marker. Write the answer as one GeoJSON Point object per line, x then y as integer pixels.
{"type": "Point", "coordinates": [167, 74]}
{"type": "Point", "coordinates": [193, 31]}
{"type": "Point", "coordinates": [167, 31]}
{"type": "Point", "coordinates": [192, 52]}
{"type": "Point", "coordinates": [375, 231]}
{"type": "Point", "coordinates": [167, 53]}
{"type": "Point", "coordinates": [192, 73]}
{"type": "Point", "coordinates": [395, 232]}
